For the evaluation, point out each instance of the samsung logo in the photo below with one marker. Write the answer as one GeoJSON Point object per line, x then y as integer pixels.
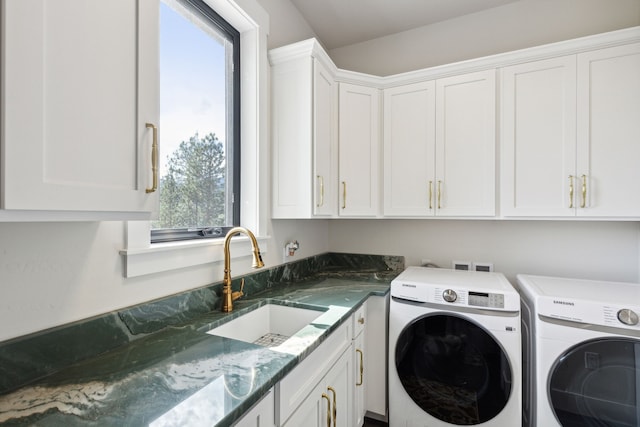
{"type": "Point", "coordinates": [404, 285]}
{"type": "Point", "coordinates": [563, 302]}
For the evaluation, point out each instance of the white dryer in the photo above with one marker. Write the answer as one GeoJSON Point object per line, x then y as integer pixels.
{"type": "Point", "coordinates": [454, 349]}
{"type": "Point", "coordinates": [582, 352]}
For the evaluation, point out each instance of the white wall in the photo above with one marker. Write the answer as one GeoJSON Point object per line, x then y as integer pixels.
{"type": "Point", "coordinates": [287, 25]}
{"type": "Point", "coordinates": [595, 250]}
{"type": "Point", "coordinates": [517, 25]}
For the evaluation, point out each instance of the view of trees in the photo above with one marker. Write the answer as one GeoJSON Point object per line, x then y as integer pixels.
{"type": "Point", "coordinates": [192, 192]}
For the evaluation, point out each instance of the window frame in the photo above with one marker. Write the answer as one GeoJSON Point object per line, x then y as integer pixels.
{"type": "Point", "coordinates": [211, 232]}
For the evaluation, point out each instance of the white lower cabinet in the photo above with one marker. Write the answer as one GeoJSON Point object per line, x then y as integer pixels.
{"type": "Point", "coordinates": [330, 402]}
{"type": "Point", "coordinates": [327, 370]}
{"type": "Point", "coordinates": [262, 414]}
{"type": "Point", "coordinates": [358, 382]}
{"type": "Point", "coordinates": [338, 383]}
{"type": "Point", "coordinates": [375, 357]}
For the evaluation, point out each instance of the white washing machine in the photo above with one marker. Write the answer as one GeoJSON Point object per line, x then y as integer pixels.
{"type": "Point", "coordinates": [582, 352]}
{"type": "Point", "coordinates": [454, 349]}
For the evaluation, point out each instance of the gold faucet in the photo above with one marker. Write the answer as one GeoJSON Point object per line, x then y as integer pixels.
{"type": "Point", "coordinates": [228, 296]}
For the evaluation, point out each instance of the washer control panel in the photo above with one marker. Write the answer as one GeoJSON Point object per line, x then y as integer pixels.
{"type": "Point", "coordinates": [484, 299]}
{"type": "Point", "coordinates": [470, 298]}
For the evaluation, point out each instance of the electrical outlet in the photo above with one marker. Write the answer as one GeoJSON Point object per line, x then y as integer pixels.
{"type": "Point", "coordinates": [482, 266]}
{"type": "Point", "coordinates": [461, 265]}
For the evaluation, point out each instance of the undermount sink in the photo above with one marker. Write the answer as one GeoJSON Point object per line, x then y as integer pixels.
{"type": "Point", "coordinates": [269, 325]}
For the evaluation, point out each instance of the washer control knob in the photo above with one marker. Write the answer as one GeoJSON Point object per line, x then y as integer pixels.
{"type": "Point", "coordinates": [450, 295]}
{"type": "Point", "coordinates": [628, 317]}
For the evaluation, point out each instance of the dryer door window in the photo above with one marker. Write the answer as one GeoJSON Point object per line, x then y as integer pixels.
{"type": "Point", "coordinates": [597, 383]}
{"type": "Point", "coordinates": [453, 369]}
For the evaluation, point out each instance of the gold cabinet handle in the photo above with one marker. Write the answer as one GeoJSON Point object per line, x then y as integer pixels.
{"type": "Point", "coordinates": [584, 191]}
{"type": "Point", "coordinates": [321, 182]}
{"type": "Point", "coordinates": [324, 396]}
{"type": "Point", "coordinates": [570, 191]}
{"type": "Point", "coordinates": [344, 195]}
{"type": "Point", "coordinates": [439, 193]}
{"type": "Point", "coordinates": [361, 320]}
{"type": "Point", "coordinates": [154, 157]}
{"type": "Point", "coordinates": [430, 194]}
{"type": "Point", "coordinates": [335, 409]}
{"type": "Point", "coordinates": [359, 383]}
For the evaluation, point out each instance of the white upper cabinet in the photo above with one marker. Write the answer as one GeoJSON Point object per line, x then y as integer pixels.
{"type": "Point", "coordinates": [439, 147]}
{"type": "Point", "coordinates": [304, 157]}
{"type": "Point", "coordinates": [409, 149]}
{"type": "Point", "coordinates": [79, 85]}
{"type": "Point", "coordinates": [567, 119]}
{"type": "Point", "coordinates": [465, 145]}
{"type": "Point", "coordinates": [538, 138]}
{"type": "Point", "coordinates": [608, 132]}
{"type": "Point", "coordinates": [359, 146]}
{"type": "Point", "coordinates": [570, 135]}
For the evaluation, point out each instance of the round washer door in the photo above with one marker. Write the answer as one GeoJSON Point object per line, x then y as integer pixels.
{"type": "Point", "coordinates": [453, 369]}
{"type": "Point", "coordinates": [597, 383]}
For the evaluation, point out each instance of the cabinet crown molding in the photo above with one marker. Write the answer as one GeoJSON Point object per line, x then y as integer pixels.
{"type": "Point", "coordinates": [311, 47]}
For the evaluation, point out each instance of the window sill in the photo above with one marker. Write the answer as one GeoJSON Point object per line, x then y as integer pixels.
{"type": "Point", "coordinates": [161, 257]}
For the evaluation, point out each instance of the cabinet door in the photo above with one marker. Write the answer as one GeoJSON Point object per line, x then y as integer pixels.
{"type": "Point", "coordinates": [339, 387]}
{"type": "Point", "coordinates": [262, 414]}
{"type": "Point", "coordinates": [291, 119]}
{"type": "Point", "coordinates": [80, 81]}
{"type": "Point", "coordinates": [609, 131]}
{"type": "Point", "coordinates": [359, 379]}
{"type": "Point", "coordinates": [375, 368]}
{"type": "Point", "coordinates": [324, 141]}
{"type": "Point", "coordinates": [465, 145]}
{"type": "Point", "coordinates": [409, 147]}
{"type": "Point", "coordinates": [314, 411]}
{"type": "Point", "coordinates": [358, 150]}
{"type": "Point", "coordinates": [330, 403]}
{"type": "Point", "coordinates": [538, 138]}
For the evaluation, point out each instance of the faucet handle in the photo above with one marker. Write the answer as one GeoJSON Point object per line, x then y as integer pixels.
{"type": "Point", "coordinates": [238, 294]}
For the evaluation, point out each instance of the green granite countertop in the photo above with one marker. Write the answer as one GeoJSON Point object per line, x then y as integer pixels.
{"type": "Point", "coordinates": [181, 375]}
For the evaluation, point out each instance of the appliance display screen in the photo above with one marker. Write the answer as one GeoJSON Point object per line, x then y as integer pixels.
{"type": "Point", "coordinates": [484, 299]}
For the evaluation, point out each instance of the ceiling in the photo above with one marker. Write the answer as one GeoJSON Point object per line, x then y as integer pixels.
{"type": "Point", "coordinates": [340, 23]}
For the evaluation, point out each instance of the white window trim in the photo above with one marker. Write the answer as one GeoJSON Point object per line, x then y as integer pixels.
{"type": "Point", "coordinates": [141, 257]}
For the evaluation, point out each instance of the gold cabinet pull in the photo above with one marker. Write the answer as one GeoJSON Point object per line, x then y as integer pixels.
{"type": "Point", "coordinates": [344, 195]}
{"type": "Point", "coordinates": [439, 193]}
{"type": "Point", "coordinates": [361, 320]}
{"type": "Point", "coordinates": [359, 383]}
{"type": "Point", "coordinates": [335, 409]}
{"type": "Point", "coordinates": [430, 194]}
{"type": "Point", "coordinates": [321, 182]}
{"type": "Point", "coordinates": [584, 191]}
{"type": "Point", "coordinates": [324, 396]}
{"type": "Point", "coordinates": [570, 191]}
{"type": "Point", "coordinates": [154, 157]}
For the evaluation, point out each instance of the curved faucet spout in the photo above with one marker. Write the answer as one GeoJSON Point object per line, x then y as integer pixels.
{"type": "Point", "coordinates": [227, 295]}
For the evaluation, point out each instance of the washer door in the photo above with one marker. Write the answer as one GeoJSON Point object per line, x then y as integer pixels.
{"type": "Point", "coordinates": [453, 369]}
{"type": "Point", "coordinates": [597, 383]}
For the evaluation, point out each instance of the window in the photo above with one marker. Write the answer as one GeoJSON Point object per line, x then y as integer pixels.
{"type": "Point", "coordinates": [199, 123]}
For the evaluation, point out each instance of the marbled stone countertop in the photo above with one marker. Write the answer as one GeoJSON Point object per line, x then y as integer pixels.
{"type": "Point", "coordinates": [181, 375]}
